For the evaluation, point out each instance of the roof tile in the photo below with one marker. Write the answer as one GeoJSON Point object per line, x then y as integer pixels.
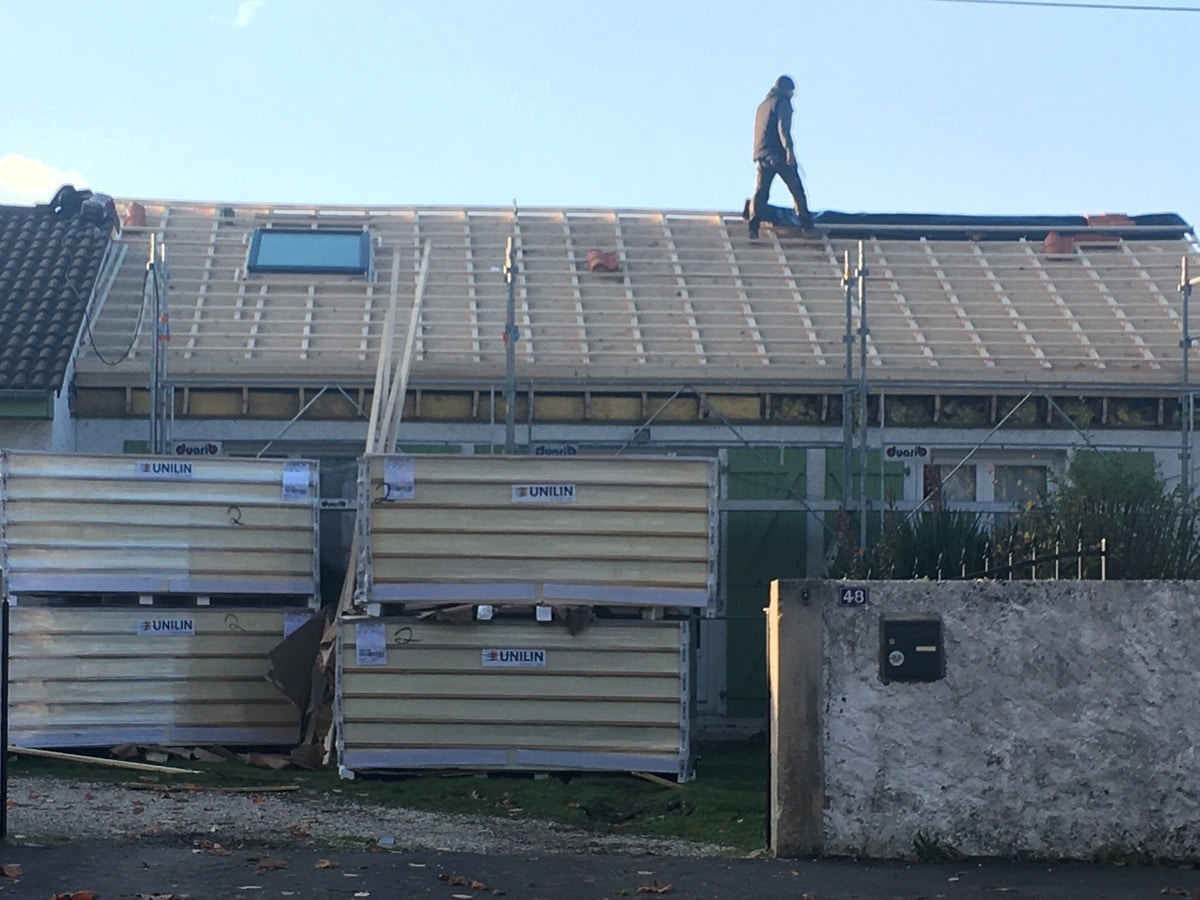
{"type": "Point", "coordinates": [44, 261]}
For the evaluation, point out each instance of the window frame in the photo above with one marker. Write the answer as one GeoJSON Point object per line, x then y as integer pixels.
{"type": "Point", "coordinates": [361, 269]}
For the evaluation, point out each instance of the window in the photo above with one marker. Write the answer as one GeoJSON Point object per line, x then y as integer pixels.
{"type": "Point", "coordinates": [1019, 484]}
{"type": "Point", "coordinates": [950, 489]}
{"type": "Point", "coordinates": [309, 251]}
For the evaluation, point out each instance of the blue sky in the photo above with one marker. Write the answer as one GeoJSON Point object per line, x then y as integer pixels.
{"type": "Point", "coordinates": [902, 105]}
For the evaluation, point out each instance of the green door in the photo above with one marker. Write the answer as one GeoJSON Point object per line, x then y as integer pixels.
{"type": "Point", "coordinates": [760, 546]}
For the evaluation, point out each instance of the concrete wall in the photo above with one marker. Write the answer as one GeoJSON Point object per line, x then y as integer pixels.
{"type": "Point", "coordinates": [1065, 724]}
{"type": "Point", "coordinates": [27, 434]}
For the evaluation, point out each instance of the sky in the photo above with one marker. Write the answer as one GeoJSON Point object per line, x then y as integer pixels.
{"type": "Point", "coordinates": [914, 106]}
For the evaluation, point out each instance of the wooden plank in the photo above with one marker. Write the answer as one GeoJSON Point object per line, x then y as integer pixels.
{"type": "Point", "coordinates": [95, 761]}
{"type": "Point", "coordinates": [409, 683]}
{"type": "Point", "coordinates": [616, 739]}
{"type": "Point", "coordinates": [604, 634]}
{"type": "Point", "coordinates": [383, 362]}
{"type": "Point", "coordinates": [642, 546]}
{"type": "Point", "coordinates": [146, 688]}
{"type": "Point", "coordinates": [35, 666]}
{"type": "Point", "coordinates": [390, 420]}
{"type": "Point", "coordinates": [162, 515]}
{"type": "Point", "coordinates": [530, 711]}
{"type": "Point", "coordinates": [78, 538]}
{"type": "Point", "coordinates": [630, 471]}
{"type": "Point", "coordinates": [106, 716]}
{"type": "Point", "coordinates": [586, 663]}
{"type": "Point", "coordinates": [175, 564]}
{"type": "Point", "coordinates": [230, 624]}
{"type": "Point", "coordinates": [496, 497]}
{"type": "Point", "coordinates": [648, 574]}
{"type": "Point", "coordinates": [404, 517]}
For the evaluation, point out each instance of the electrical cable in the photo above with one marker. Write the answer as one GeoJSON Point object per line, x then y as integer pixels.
{"type": "Point", "coordinates": [137, 328]}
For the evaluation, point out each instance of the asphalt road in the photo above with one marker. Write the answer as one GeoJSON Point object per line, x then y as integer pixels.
{"type": "Point", "coordinates": [141, 872]}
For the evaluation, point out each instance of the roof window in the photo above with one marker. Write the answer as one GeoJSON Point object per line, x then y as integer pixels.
{"type": "Point", "coordinates": [309, 251]}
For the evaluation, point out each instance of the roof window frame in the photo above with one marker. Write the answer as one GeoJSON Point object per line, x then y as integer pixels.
{"type": "Point", "coordinates": [363, 267]}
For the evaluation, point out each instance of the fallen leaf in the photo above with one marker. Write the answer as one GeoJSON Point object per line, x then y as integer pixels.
{"type": "Point", "coordinates": [655, 888]}
{"type": "Point", "coordinates": [453, 880]}
{"type": "Point", "coordinates": [478, 885]}
{"type": "Point", "coordinates": [1174, 892]}
{"type": "Point", "coordinates": [268, 864]}
{"type": "Point", "coordinates": [11, 870]}
{"type": "Point", "coordinates": [75, 895]}
{"type": "Point", "coordinates": [328, 864]}
{"type": "Point", "coordinates": [363, 894]}
{"type": "Point", "coordinates": [461, 896]}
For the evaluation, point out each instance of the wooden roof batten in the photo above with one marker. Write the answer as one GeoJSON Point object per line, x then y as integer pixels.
{"type": "Point", "coordinates": [693, 299]}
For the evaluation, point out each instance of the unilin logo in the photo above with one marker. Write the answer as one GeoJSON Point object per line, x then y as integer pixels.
{"type": "Point", "coordinates": [514, 658]}
{"type": "Point", "coordinates": [543, 493]}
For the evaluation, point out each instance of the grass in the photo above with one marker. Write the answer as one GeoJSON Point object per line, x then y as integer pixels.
{"type": "Point", "coordinates": [725, 804]}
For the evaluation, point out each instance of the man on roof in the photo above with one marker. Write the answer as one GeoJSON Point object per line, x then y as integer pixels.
{"type": "Point", "coordinates": [774, 154]}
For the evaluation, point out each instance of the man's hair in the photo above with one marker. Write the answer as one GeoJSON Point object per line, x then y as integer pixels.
{"type": "Point", "coordinates": [785, 83]}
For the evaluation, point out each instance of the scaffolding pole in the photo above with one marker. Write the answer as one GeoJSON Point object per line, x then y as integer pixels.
{"type": "Point", "coordinates": [161, 406]}
{"type": "Point", "coordinates": [864, 503]}
{"type": "Point", "coordinates": [510, 347]}
{"type": "Point", "coordinates": [1187, 401]}
{"type": "Point", "coordinates": [849, 277]}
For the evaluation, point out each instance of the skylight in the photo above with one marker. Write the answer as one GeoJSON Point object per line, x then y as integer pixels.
{"type": "Point", "coordinates": [309, 251]}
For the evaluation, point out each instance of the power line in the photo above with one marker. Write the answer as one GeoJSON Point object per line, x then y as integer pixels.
{"type": "Point", "coordinates": [1065, 4]}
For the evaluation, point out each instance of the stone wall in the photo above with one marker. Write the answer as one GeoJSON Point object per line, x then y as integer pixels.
{"type": "Point", "coordinates": [1065, 724]}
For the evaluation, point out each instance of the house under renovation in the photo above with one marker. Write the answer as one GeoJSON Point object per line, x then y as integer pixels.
{"type": "Point", "coordinates": [889, 357]}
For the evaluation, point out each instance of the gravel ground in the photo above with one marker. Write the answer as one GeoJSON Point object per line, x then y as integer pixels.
{"type": "Point", "coordinates": [55, 811]}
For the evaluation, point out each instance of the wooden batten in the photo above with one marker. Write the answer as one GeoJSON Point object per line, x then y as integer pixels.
{"type": "Point", "coordinates": [92, 677]}
{"type": "Point", "coordinates": [515, 695]}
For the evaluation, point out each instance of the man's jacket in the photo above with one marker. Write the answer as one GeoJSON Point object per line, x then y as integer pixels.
{"type": "Point", "coordinates": [773, 128]}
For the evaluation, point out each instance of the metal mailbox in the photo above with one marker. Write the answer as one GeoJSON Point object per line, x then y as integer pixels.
{"type": "Point", "coordinates": [911, 649]}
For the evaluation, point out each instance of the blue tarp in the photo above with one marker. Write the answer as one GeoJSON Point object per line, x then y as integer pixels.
{"type": "Point", "coordinates": [1154, 226]}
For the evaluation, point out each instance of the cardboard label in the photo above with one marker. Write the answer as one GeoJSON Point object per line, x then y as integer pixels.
{"type": "Point", "coordinates": [370, 644]}
{"type": "Point", "coordinates": [295, 482]}
{"type": "Point", "coordinates": [399, 481]}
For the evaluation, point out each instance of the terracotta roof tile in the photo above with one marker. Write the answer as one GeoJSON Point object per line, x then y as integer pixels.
{"type": "Point", "coordinates": [47, 264]}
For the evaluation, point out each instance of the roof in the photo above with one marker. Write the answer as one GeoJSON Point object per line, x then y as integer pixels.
{"type": "Point", "coordinates": [970, 301]}
{"type": "Point", "coordinates": [48, 266]}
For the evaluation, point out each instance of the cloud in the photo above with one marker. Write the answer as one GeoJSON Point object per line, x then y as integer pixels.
{"type": "Point", "coordinates": [246, 11]}
{"type": "Point", "coordinates": [24, 180]}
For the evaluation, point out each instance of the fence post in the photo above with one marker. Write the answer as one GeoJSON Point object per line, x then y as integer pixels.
{"type": "Point", "coordinates": [1104, 559]}
{"type": "Point", "coordinates": [795, 660]}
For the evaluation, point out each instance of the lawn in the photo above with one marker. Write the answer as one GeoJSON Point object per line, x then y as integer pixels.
{"type": "Point", "coordinates": [724, 804]}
